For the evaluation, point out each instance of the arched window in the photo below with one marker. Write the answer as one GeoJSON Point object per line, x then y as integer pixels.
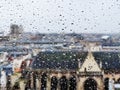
{"type": "Point", "coordinates": [43, 81]}
{"type": "Point", "coordinates": [54, 82]}
{"type": "Point", "coordinates": [90, 84]}
{"type": "Point", "coordinates": [106, 83]}
{"type": "Point", "coordinates": [72, 83]}
{"type": "Point", "coordinates": [63, 82]}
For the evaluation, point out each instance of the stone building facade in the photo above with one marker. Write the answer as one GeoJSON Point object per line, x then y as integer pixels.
{"type": "Point", "coordinates": [89, 76]}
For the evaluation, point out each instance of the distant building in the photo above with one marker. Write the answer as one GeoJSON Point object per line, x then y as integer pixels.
{"type": "Point", "coordinates": [92, 45]}
{"type": "Point", "coordinates": [15, 31]}
{"type": "Point", "coordinates": [20, 63]}
{"type": "Point", "coordinates": [3, 80]}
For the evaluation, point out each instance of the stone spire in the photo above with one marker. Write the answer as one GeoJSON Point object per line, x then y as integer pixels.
{"type": "Point", "coordinates": [79, 63]}
{"type": "Point", "coordinates": [101, 64]}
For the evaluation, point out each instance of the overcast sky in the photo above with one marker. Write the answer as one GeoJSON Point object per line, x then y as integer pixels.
{"type": "Point", "coordinates": [47, 16]}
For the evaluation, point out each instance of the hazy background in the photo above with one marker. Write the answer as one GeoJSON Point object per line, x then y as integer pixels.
{"type": "Point", "coordinates": [48, 16]}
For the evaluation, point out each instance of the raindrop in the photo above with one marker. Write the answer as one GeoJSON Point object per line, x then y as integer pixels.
{"type": "Point", "coordinates": [60, 15]}
{"type": "Point", "coordinates": [85, 28]}
{"type": "Point", "coordinates": [49, 21]}
{"type": "Point", "coordinates": [69, 3]}
{"type": "Point", "coordinates": [72, 23]}
{"type": "Point", "coordinates": [82, 11]}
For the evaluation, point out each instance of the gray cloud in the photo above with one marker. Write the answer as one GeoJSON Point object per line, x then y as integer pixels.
{"type": "Point", "coordinates": [100, 16]}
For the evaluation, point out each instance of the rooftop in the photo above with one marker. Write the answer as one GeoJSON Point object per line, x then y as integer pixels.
{"type": "Point", "coordinates": [69, 60]}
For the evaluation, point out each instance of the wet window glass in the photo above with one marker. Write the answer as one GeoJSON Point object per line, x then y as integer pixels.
{"type": "Point", "coordinates": [59, 44]}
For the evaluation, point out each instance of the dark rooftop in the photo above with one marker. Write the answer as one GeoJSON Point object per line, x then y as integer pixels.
{"type": "Point", "coordinates": [69, 60]}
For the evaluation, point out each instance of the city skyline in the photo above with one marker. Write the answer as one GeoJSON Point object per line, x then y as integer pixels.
{"type": "Point", "coordinates": [56, 16]}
